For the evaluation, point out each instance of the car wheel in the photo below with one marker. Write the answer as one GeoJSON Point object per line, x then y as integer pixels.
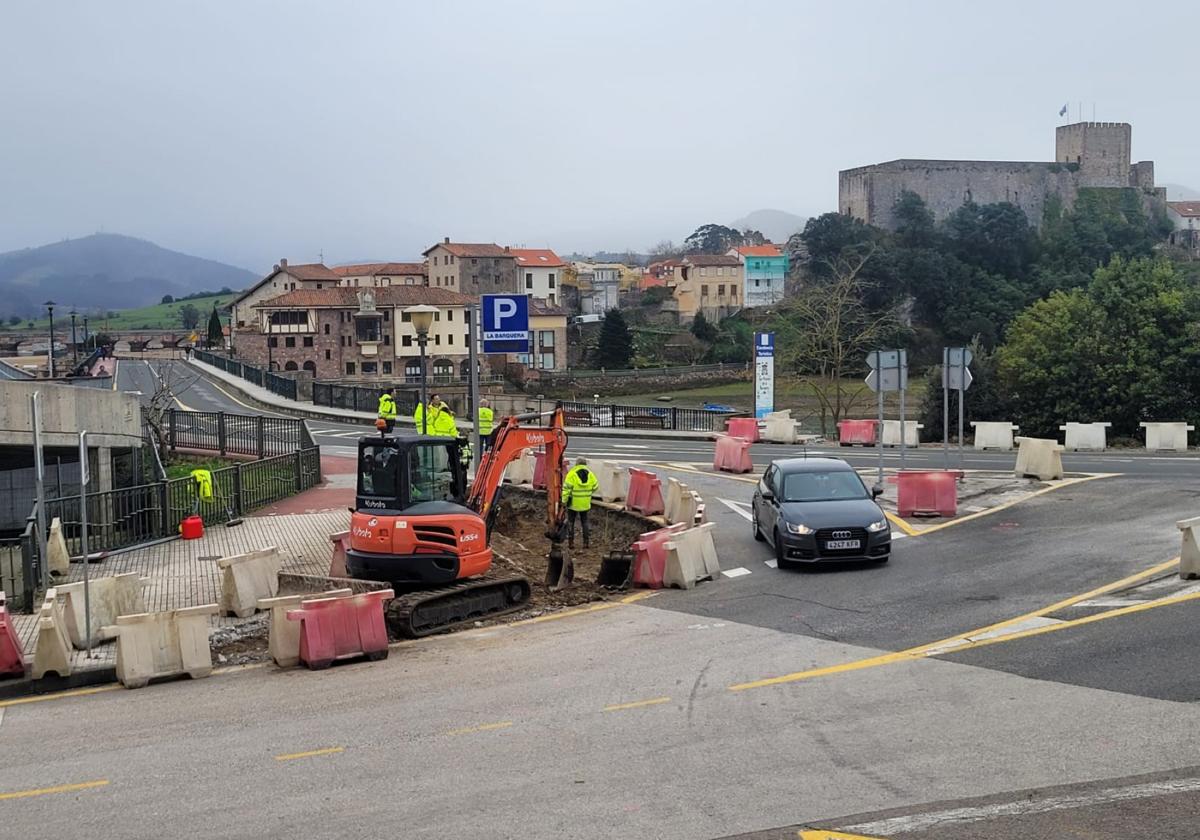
{"type": "Point", "coordinates": [754, 525]}
{"type": "Point", "coordinates": [781, 562]}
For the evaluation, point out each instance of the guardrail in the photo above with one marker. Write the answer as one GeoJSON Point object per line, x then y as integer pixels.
{"type": "Point", "coordinates": [235, 434]}
{"type": "Point", "coordinates": [634, 373]}
{"type": "Point", "coordinates": [281, 385]}
{"type": "Point", "coordinates": [19, 566]}
{"type": "Point", "coordinates": [357, 398]}
{"type": "Point", "coordinates": [674, 418]}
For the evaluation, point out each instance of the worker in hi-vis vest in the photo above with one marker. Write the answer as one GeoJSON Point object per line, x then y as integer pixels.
{"type": "Point", "coordinates": [578, 487]}
{"type": "Point", "coordinates": [387, 410]}
{"type": "Point", "coordinates": [485, 423]}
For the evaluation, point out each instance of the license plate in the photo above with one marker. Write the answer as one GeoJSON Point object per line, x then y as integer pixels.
{"type": "Point", "coordinates": [842, 545]}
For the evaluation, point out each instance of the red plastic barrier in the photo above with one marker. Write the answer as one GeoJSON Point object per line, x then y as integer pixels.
{"type": "Point", "coordinates": [539, 470]}
{"type": "Point", "coordinates": [857, 431]}
{"type": "Point", "coordinates": [650, 556]}
{"type": "Point", "coordinates": [12, 662]}
{"type": "Point", "coordinates": [645, 493]}
{"type": "Point", "coordinates": [927, 492]}
{"type": "Point", "coordinates": [743, 427]}
{"type": "Point", "coordinates": [337, 560]}
{"type": "Point", "coordinates": [339, 628]}
{"type": "Point", "coordinates": [732, 454]}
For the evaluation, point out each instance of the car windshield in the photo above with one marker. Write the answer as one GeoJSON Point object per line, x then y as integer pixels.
{"type": "Point", "coordinates": [823, 486]}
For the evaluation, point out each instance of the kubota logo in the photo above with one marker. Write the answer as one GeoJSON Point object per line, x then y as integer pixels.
{"type": "Point", "coordinates": [363, 532]}
{"type": "Point", "coordinates": [373, 522]}
{"type": "Point", "coordinates": [374, 503]}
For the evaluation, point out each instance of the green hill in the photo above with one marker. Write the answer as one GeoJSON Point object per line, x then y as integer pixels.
{"type": "Point", "coordinates": [162, 316]}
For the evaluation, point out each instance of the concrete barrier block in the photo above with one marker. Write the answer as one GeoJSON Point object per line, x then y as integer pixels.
{"type": "Point", "coordinates": [891, 432]}
{"type": "Point", "coordinates": [673, 507]}
{"type": "Point", "coordinates": [691, 557]}
{"type": "Point", "coordinates": [337, 557]}
{"type": "Point", "coordinates": [283, 636]}
{"type": "Point", "coordinates": [1090, 437]}
{"type": "Point", "coordinates": [613, 481]}
{"type": "Point", "coordinates": [994, 434]}
{"type": "Point", "coordinates": [247, 577]}
{"type": "Point", "coordinates": [52, 652]}
{"type": "Point", "coordinates": [110, 597]}
{"type": "Point", "coordinates": [779, 427]}
{"type": "Point", "coordinates": [1189, 552]}
{"type": "Point", "coordinates": [59, 560]}
{"type": "Point", "coordinates": [520, 470]}
{"type": "Point", "coordinates": [164, 644]}
{"type": "Point", "coordinates": [1039, 458]}
{"type": "Point", "coordinates": [1167, 437]}
{"type": "Point", "coordinates": [689, 510]}
{"type": "Point", "coordinates": [12, 654]}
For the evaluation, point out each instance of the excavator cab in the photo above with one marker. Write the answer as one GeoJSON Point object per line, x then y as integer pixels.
{"type": "Point", "coordinates": [395, 473]}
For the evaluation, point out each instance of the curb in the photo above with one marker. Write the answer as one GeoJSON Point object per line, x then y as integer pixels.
{"type": "Point", "coordinates": [28, 687]}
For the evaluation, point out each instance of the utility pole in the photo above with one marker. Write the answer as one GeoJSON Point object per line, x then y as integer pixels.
{"type": "Point", "coordinates": [473, 381]}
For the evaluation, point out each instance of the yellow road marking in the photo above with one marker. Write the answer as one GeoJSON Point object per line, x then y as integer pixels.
{"type": "Point", "coordinates": [821, 834]}
{"type": "Point", "coordinates": [58, 695]}
{"type": "Point", "coordinates": [23, 794]}
{"type": "Point", "coordinates": [310, 753]}
{"type": "Point", "coordinates": [487, 727]}
{"type": "Point", "coordinates": [901, 524]}
{"type": "Point", "coordinates": [921, 650]}
{"type": "Point", "coordinates": [604, 605]}
{"type": "Point", "coordinates": [637, 704]}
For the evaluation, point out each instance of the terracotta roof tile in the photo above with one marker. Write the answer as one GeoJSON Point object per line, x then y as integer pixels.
{"type": "Point", "coordinates": [538, 257]}
{"type": "Point", "coordinates": [345, 297]}
{"type": "Point", "coordinates": [1189, 209]}
{"type": "Point", "coordinates": [711, 259]}
{"type": "Point", "coordinates": [310, 271]}
{"type": "Point", "coordinates": [767, 250]}
{"type": "Point", "coordinates": [469, 249]}
{"type": "Point", "coordinates": [380, 269]}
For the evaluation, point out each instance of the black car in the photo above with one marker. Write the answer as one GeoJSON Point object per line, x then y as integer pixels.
{"type": "Point", "coordinates": [818, 510]}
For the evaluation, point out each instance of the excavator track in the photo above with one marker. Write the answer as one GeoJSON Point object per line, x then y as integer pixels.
{"type": "Point", "coordinates": [416, 614]}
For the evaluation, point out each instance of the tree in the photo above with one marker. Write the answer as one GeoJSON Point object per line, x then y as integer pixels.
{"type": "Point", "coordinates": [614, 349]}
{"type": "Point", "coordinates": [665, 250]}
{"type": "Point", "coordinates": [832, 236]}
{"type": "Point", "coordinates": [14, 320]}
{"type": "Point", "coordinates": [703, 328]}
{"type": "Point", "coordinates": [753, 237]}
{"type": "Point", "coordinates": [189, 316]}
{"type": "Point", "coordinates": [712, 239]}
{"type": "Point", "coordinates": [167, 299]}
{"type": "Point", "coordinates": [733, 343]}
{"type": "Point", "coordinates": [655, 295]}
{"type": "Point", "coordinates": [824, 334]}
{"type": "Point", "coordinates": [914, 222]}
{"type": "Point", "coordinates": [216, 336]}
{"type": "Point", "coordinates": [984, 400]}
{"type": "Point", "coordinates": [169, 384]}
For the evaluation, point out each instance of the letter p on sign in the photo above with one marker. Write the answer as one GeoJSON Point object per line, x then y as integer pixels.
{"type": "Point", "coordinates": [504, 308]}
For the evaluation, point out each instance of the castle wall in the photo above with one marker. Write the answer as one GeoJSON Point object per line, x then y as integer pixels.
{"type": "Point", "coordinates": [1102, 150]}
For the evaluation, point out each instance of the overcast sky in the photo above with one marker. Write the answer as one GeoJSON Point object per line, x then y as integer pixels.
{"type": "Point", "coordinates": [247, 131]}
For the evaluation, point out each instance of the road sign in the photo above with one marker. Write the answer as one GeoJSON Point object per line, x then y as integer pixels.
{"type": "Point", "coordinates": [892, 381]}
{"type": "Point", "coordinates": [889, 367]}
{"type": "Point", "coordinates": [505, 323]}
{"type": "Point", "coordinates": [957, 378]}
{"type": "Point", "coordinates": [958, 356]}
{"type": "Point", "coordinates": [764, 373]}
{"type": "Point", "coordinates": [887, 359]}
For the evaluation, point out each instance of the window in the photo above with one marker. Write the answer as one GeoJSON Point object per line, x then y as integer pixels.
{"type": "Point", "coordinates": [366, 329]}
{"type": "Point", "coordinates": [704, 291]}
{"type": "Point", "coordinates": [546, 338]}
{"type": "Point", "coordinates": [551, 280]}
{"type": "Point", "coordinates": [412, 370]}
{"type": "Point", "coordinates": [326, 329]}
{"type": "Point", "coordinates": [435, 259]}
{"type": "Point", "coordinates": [272, 342]}
{"type": "Point", "coordinates": [703, 272]}
{"type": "Point", "coordinates": [437, 316]}
{"type": "Point", "coordinates": [449, 314]}
{"type": "Point", "coordinates": [308, 342]}
{"type": "Point", "coordinates": [369, 368]}
{"type": "Point", "coordinates": [349, 368]}
{"type": "Point", "coordinates": [475, 277]}
{"type": "Point", "coordinates": [387, 368]}
{"type": "Point", "coordinates": [311, 367]}
{"type": "Point", "coordinates": [546, 361]}
{"type": "Point", "coordinates": [552, 300]}
{"type": "Point", "coordinates": [387, 340]}
{"type": "Point", "coordinates": [327, 356]}
{"type": "Point", "coordinates": [406, 341]}
{"type": "Point", "coordinates": [523, 358]}
{"type": "Point", "coordinates": [319, 286]}
{"type": "Point", "coordinates": [473, 261]}
{"type": "Point", "coordinates": [443, 369]}
{"type": "Point", "coordinates": [756, 282]}
{"type": "Point", "coordinates": [405, 317]}
{"type": "Point", "coordinates": [387, 315]}
{"type": "Point", "coordinates": [721, 290]}
{"type": "Point", "coordinates": [437, 339]}
{"type": "Point", "coordinates": [529, 280]}
{"type": "Point", "coordinates": [290, 341]}
{"type": "Point", "coordinates": [290, 366]}
{"type": "Point", "coordinates": [450, 339]}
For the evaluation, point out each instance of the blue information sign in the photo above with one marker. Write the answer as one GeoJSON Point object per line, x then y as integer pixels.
{"type": "Point", "coordinates": [764, 373]}
{"type": "Point", "coordinates": [505, 323]}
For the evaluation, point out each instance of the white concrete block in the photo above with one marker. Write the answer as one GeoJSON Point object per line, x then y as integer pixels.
{"type": "Point", "coordinates": [245, 578]}
{"type": "Point", "coordinates": [691, 557]}
{"type": "Point", "coordinates": [1091, 437]}
{"type": "Point", "coordinates": [283, 636]}
{"type": "Point", "coordinates": [673, 511]}
{"type": "Point", "coordinates": [111, 597]}
{"type": "Point", "coordinates": [1167, 437]}
{"type": "Point", "coordinates": [994, 434]}
{"type": "Point", "coordinates": [779, 427]}
{"type": "Point", "coordinates": [52, 651]}
{"type": "Point", "coordinates": [59, 559]}
{"type": "Point", "coordinates": [1040, 458]}
{"type": "Point", "coordinates": [164, 644]}
{"type": "Point", "coordinates": [613, 480]}
{"type": "Point", "coordinates": [1189, 552]}
{"type": "Point", "coordinates": [520, 470]}
{"type": "Point", "coordinates": [891, 432]}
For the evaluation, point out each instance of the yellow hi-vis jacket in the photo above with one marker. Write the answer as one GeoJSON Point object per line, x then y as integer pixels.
{"type": "Point", "coordinates": [441, 422]}
{"type": "Point", "coordinates": [486, 417]}
{"type": "Point", "coordinates": [577, 492]}
{"type": "Point", "coordinates": [204, 487]}
{"type": "Point", "coordinates": [387, 406]}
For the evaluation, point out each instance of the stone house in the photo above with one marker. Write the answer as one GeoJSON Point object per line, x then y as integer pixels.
{"type": "Point", "coordinates": [473, 269]}
{"type": "Point", "coordinates": [382, 274]}
{"type": "Point", "coordinates": [283, 278]}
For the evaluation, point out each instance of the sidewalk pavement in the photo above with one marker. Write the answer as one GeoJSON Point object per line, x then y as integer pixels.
{"type": "Point", "coordinates": [265, 399]}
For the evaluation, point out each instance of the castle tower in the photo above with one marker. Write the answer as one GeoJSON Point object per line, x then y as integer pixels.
{"type": "Point", "coordinates": [1101, 149]}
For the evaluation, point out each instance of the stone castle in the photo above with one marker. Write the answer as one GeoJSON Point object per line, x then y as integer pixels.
{"type": "Point", "coordinates": [1087, 155]}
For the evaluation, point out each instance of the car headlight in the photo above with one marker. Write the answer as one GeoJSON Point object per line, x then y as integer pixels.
{"type": "Point", "coordinates": [798, 529]}
{"type": "Point", "coordinates": [876, 527]}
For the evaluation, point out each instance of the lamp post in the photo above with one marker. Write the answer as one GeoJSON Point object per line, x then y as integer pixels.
{"type": "Point", "coordinates": [74, 344]}
{"type": "Point", "coordinates": [85, 331]}
{"type": "Point", "coordinates": [50, 308]}
{"type": "Point", "coordinates": [421, 316]}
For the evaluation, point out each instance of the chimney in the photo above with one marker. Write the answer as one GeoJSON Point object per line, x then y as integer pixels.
{"type": "Point", "coordinates": [506, 250]}
{"type": "Point", "coordinates": [276, 268]}
{"type": "Point", "coordinates": [445, 240]}
{"type": "Point", "coordinates": [282, 263]}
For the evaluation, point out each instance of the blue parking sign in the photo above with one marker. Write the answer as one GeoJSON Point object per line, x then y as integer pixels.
{"type": "Point", "coordinates": [505, 323]}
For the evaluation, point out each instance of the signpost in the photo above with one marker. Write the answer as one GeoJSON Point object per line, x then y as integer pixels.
{"type": "Point", "coordinates": [84, 478]}
{"type": "Point", "coordinates": [889, 372]}
{"type": "Point", "coordinates": [764, 374]}
{"type": "Point", "coordinates": [473, 386]}
{"type": "Point", "coordinates": [39, 477]}
{"type": "Point", "coordinates": [505, 323]}
{"type": "Point", "coordinates": [955, 376]}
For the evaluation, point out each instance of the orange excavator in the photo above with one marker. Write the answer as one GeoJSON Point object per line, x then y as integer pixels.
{"type": "Point", "coordinates": [418, 527]}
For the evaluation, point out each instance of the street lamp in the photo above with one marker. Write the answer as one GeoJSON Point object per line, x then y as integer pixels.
{"type": "Point", "coordinates": [50, 308]}
{"type": "Point", "coordinates": [421, 316]}
{"type": "Point", "coordinates": [74, 345]}
{"type": "Point", "coordinates": [85, 332]}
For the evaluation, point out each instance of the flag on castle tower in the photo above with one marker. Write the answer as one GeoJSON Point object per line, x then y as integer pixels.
{"type": "Point", "coordinates": [1063, 112]}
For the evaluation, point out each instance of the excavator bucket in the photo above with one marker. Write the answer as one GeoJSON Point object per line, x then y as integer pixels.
{"type": "Point", "coordinates": [560, 571]}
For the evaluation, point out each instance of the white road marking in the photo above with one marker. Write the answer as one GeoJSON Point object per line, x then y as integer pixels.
{"type": "Point", "coordinates": [1028, 624]}
{"type": "Point", "coordinates": [734, 573]}
{"type": "Point", "coordinates": [1023, 807]}
{"type": "Point", "coordinates": [774, 564]}
{"type": "Point", "coordinates": [628, 446]}
{"type": "Point", "coordinates": [738, 508]}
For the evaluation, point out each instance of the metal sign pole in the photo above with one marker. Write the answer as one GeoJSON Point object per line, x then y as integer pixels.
{"type": "Point", "coordinates": [84, 478]}
{"type": "Point", "coordinates": [962, 393]}
{"type": "Point", "coordinates": [879, 428]}
{"type": "Point", "coordinates": [946, 408]}
{"type": "Point", "coordinates": [473, 386]}
{"type": "Point", "coordinates": [901, 365]}
{"type": "Point", "coordinates": [39, 475]}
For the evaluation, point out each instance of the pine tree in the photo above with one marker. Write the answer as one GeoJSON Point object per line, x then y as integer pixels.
{"type": "Point", "coordinates": [216, 337]}
{"type": "Point", "coordinates": [614, 350]}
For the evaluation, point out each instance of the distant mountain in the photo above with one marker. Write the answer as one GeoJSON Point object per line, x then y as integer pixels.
{"type": "Point", "coordinates": [1177, 192]}
{"type": "Point", "coordinates": [776, 225]}
{"type": "Point", "coordinates": [106, 271]}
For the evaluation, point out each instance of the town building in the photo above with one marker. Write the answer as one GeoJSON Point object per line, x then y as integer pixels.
{"type": "Point", "coordinates": [599, 286]}
{"type": "Point", "coordinates": [383, 274]}
{"type": "Point", "coordinates": [283, 278]}
{"type": "Point", "coordinates": [540, 272]}
{"type": "Point", "coordinates": [548, 337]}
{"type": "Point", "coordinates": [473, 269]}
{"type": "Point", "coordinates": [1088, 155]}
{"type": "Point", "coordinates": [1185, 216]}
{"type": "Point", "coordinates": [708, 283]}
{"type": "Point", "coordinates": [764, 273]}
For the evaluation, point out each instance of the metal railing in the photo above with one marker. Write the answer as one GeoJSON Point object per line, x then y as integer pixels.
{"type": "Point", "coordinates": [357, 398]}
{"type": "Point", "coordinates": [281, 385]}
{"type": "Point", "coordinates": [674, 418]}
{"type": "Point", "coordinates": [235, 434]}
{"type": "Point", "coordinates": [634, 373]}
{"type": "Point", "coordinates": [19, 566]}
